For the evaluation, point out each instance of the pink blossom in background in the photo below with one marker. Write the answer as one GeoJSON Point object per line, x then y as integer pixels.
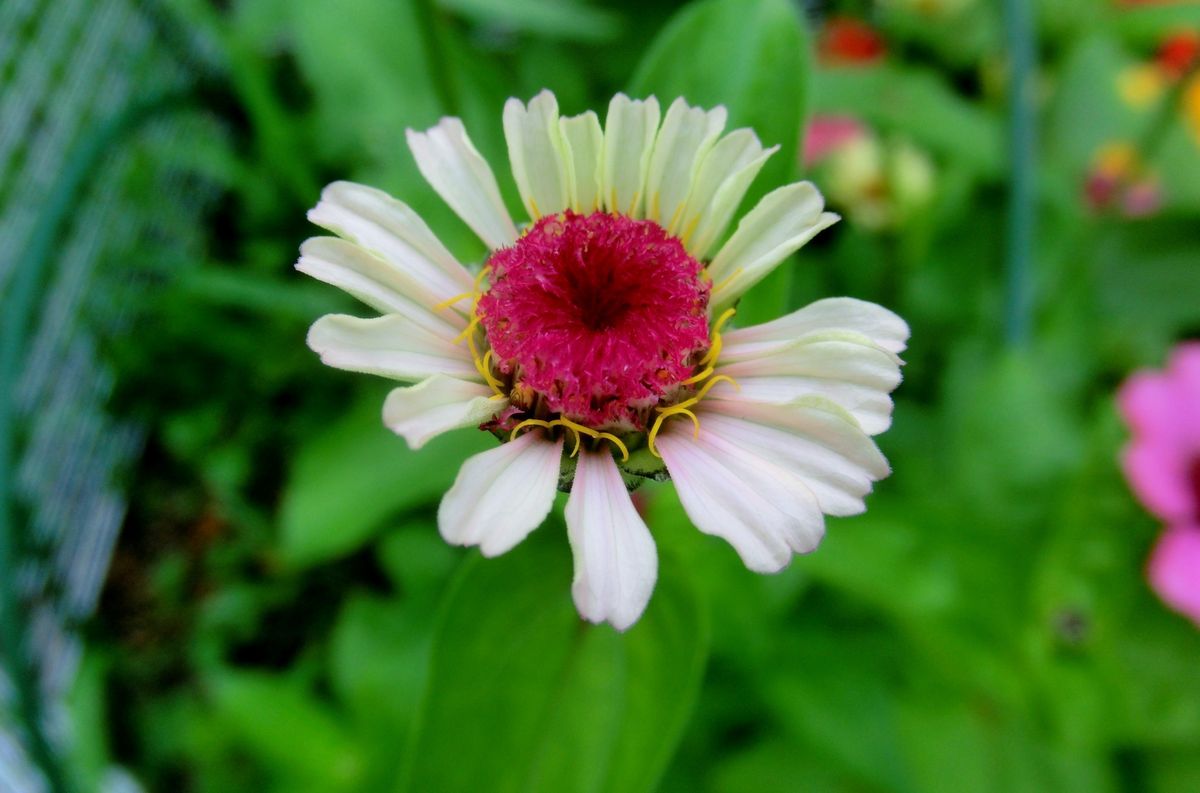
{"type": "Point", "coordinates": [1162, 464]}
{"type": "Point", "coordinates": [826, 133]}
{"type": "Point", "coordinates": [1174, 570]}
{"type": "Point", "coordinates": [1162, 461]}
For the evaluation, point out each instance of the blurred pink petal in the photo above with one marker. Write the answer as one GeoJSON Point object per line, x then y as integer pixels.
{"type": "Point", "coordinates": [1174, 570]}
{"type": "Point", "coordinates": [826, 133]}
{"type": "Point", "coordinates": [1149, 404]}
{"type": "Point", "coordinates": [1162, 460]}
{"type": "Point", "coordinates": [1160, 478]}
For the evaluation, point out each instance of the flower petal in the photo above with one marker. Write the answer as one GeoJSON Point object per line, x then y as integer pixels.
{"type": "Point", "coordinates": [502, 494]}
{"type": "Point", "coordinates": [628, 143]}
{"type": "Point", "coordinates": [686, 136]}
{"type": "Point", "coordinates": [374, 281]}
{"type": "Point", "coordinates": [762, 509]}
{"type": "Point", "coordinates": [845, 368]}
{"type": "Point", "coordinates": [721, 181]}
{"type": "Point", "coordinates": [782, 222]}
{"type": "Point", "coordinates": [457, 171]}
{"type": "Point", "coordinates": [392, 230]}
{"type": "Point", "coordinates": [1174, 570]}
{"type": "Point", "coordinates": [881, 326]}
{"type": "Point", "coordinates": [616, 563]}
{"type": "Point", "coordinates": [810, 436]}
{"type": "Point", "coordinates": [583, 142]}
{"type": "Point", "coordinates": [1159, 472]}
{"type": "Point", "coordinates": [438, 404]}
{"type": "Point", "coordinates": [391, 346]}
{"type": "Point", "coordinates": [537, 155]}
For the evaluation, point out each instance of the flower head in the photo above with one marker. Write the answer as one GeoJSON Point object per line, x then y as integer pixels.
{"type": "Point", "coordinates": [1162, 464]}
{"type": "Point", "coordinates": [596, 341]}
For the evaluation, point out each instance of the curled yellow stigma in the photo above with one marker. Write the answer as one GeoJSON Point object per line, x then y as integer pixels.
{"type": "Point", "coordinates": [577, 429]}
{"type": "Point", "coordinates": [483, 364]}
{"type": "Point", "coordinates": [684, 408]}
{"type": "Point", "coordinates": [714, 349]}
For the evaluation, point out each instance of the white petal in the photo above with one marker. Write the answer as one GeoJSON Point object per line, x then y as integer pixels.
{"type": "Point", "coordinates": [502, 494]}
{"type": "Point", "coordinates": [810, 436]}
{"type": "Point", "coordinates": [764, 510]}
{"type": "Point", "coordinates": [782, 222]}
{"type": "Point", "coordinates": [846, 368]}
{"type": "Point", "coordinates": [881, 326]}
{"type": "Point", "coordinates": [686, 136]}
{"type": "Point", "coordinates": [457, 171]}
{"type": "Point", "coordinates": [392, 230]}
{"type": "Point", "coordinates": [439, 404]}
{"type": "Point", "coordinates": [536, 151]}
{"type": "Point", "coordinates": [721, 181]}
{"type": "Point", "coordinates": [391, 345]}
{"type": "Point", "coordinates": [616, 563]}
{"type": "Point", "coordinates": [583, 142]}
{"type": "Point", "coordinates": [628, 143]}
{"type": "Point", "coordinates": [375, 282]}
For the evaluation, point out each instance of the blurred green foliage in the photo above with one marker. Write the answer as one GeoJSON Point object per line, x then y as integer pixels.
{"type": "Point", "coordinates": [282, 615]}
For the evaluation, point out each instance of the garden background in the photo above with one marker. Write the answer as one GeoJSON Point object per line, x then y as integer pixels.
{"type": "Point", "coordinates": [222, 573]}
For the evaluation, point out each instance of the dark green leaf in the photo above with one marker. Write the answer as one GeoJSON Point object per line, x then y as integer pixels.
{"type": "Point", "coordinates": [524, 696]}
{"type": "Point", "coordinates": [347, 481]}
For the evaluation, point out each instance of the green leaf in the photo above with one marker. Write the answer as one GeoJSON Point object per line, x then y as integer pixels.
{"type": "Point", "coordinates": [379, 657]}
{"type": "Point", "coordinates": [525, 696]}
{"type": "Point", "coordinates": [349, 480]}
{"type": "Point", "coordinates": [753, 57]}
{"type": "Point", "coordinates": [281, 724]}
{"type": "Point", "coordinates": [888, 97]}
{"type": "Point", "coordinates": [551, 18]}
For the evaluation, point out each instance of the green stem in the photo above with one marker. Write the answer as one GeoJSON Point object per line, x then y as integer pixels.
{"type": "Point", "coordinates": [16, 321]}
{"type": "Point", "coordinates": [1022, 142]}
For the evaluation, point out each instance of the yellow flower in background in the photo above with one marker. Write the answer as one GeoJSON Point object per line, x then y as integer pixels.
{"type": "Point", "coordinates": [1191, 108]}
{"type": "Point", "coordinates": [1141, 85]}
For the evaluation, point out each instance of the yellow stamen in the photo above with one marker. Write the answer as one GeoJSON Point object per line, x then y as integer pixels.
{"type": "Point", "coordinates": [703, 392]}
{"type": "Point", "coordinates": [683, 408]}
{"type": "Point", "coordinates": [578, 430]}
{"type": "Point", "coordinates": [714, 351]}
{"type": "Point", "coordinates": [726, 315]}
{"type": "Point", "coordinates": [529, 423]}
{"type": "Point", "coordinates": [696, 378]}
{"type": "Point", "coordinates": [674, 219]}
{"type": "Point", "coordinates": [686, 236]}
{"type": "Point", "coordinates": [726, 280]}
{"type": "Point", "coordinates": [452, 300]}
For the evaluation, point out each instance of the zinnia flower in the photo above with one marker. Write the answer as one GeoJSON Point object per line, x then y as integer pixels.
{"type": "Point", "coordinates": [595, 341]}
{"type": "Point", "coordinates": [1162, 464]}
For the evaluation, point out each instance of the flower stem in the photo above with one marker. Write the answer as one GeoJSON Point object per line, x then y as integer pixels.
{"type": "Point", "coordinates": [1022, 142]}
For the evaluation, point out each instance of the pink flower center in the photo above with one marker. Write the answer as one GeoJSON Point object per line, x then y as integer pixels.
{"type": "Point", "coordinates": [595, 317]}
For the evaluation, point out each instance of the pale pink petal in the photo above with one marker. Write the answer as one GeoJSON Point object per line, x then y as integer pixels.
{"type": "Point", "coordinates": [438, 404]}
{"type": "Point", "coordinates": [392, 346]}
{"type": "Point", "coordinates": [616, 563]}
{"type": "Point", "coordinates": [875, 322]}
{"type": "Point", "coordinates": [502, 494]}
{"type": "Point", "coordinates": [454, 168]}
{"type": "Point", "coordinates": [764, 510]}
{"type": "Point", "coordinates": [846, 368]}
{"type": "Point", "coordinates": [1174, 570]}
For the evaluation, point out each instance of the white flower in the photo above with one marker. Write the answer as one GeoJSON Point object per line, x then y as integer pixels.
{"type": "Point", "coordinates": [592, 340]}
